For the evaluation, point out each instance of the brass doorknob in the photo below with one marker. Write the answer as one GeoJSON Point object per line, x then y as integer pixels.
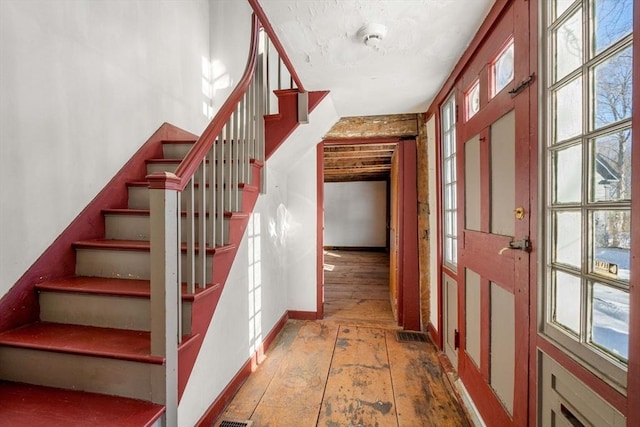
{"type": "Point", "coordinates": [519, 212]}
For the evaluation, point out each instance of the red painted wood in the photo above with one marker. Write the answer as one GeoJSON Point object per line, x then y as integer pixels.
{"type": "Point", "coordinates": [303, 315]}
{"type": "Point", "coordinates": [141, 245]}
{"type": "Point", "coordinates": [280, 126]}
{"type": "Point", "coordinates": [461, 66]}
{"type": "Point", "coordinates": [20, 305]}
{"type": "Point", "coordinates": [219, 404]}
{"type": "Point", "coordinates": [111, 286]}
{"type": "Point", "coordinates": [483, 396]}
{"type": "Point", "coordinates": [98, 285]}
{"type": "Point", "coordinates": [257, 9]}
{"type": "Point", "coordinates": [633, 376]}
{"type": "Point", "coordinates": [320, 231]}
{"type": "Point", "coordinates": [84, 340]}
{"type": "Point", "coordinates": [410, 284]}
{"type": "Point", "coordinates": [37, 406]}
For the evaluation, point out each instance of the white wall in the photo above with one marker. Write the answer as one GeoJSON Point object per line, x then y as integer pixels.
{"type": "Point", "coordinates": [83, 84]}
{"type": "Point", "coordinates": [355, 214]}
{"type": "Point", "coordinates": [264, 283]}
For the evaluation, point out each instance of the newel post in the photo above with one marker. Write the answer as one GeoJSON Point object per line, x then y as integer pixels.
{"type": "Point", "coordinates": [165, 288]}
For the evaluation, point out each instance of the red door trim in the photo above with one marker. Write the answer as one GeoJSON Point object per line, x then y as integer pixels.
{"type": "Point", "coordinates": [320, 231]}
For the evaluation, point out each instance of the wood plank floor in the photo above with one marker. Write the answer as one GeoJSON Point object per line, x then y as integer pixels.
{"type": "Point", "coordinates": [348, 369]}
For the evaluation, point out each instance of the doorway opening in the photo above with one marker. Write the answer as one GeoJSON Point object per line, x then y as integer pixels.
{"type": "Point", "coordinates": [365, 273]}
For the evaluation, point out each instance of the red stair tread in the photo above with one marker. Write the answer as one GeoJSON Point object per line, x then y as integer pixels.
{"type": "Point", "coordinates": [135, 245]}
{"type": "Point", "coordinates": [85, 340]}
{"type": "Point", "coordinates": [113, 286]}
{"type": "Point", "coordinates": [38, 406]}
{"type": "Point", "coordinates": [98, 285]}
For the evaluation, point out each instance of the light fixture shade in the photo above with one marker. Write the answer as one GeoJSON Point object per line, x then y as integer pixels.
{"type": "Point", "coordinates": [372, 34]}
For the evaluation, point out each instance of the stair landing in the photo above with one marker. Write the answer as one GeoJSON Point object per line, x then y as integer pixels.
{"type": "Point", "coordinates": [36, 406]}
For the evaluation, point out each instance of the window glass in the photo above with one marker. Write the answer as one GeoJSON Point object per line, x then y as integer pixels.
{"type": "Point", "coordinates": [611, 237]}
{"type": "Point", "coordinates": [568, 46]}
{"type": "Point", "coordinates": [560, 6]}
{"type": "Point", "coordinates": [567, 170]}
{"type": "Point", "coordinates": [613, 19]}
{"type": "Point", "coordinates": [568, 110]}
{"type": "Point", "coordinates": [610, 172]}
{"type": "Point", "coordinates": [612, 87]}
{"type": "Point", "coordinates": [567, 301]}
{"type": "Point", "coordinates": [610, 320]}
{"type": "Point", "coordinates": [568, 241]}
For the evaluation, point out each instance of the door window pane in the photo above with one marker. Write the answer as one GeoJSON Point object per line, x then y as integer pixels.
{"type": "Point", "coordinates": [611, 237]}
{"type": "Point", "coordinates": [449, 181]}
{"type": "Point", "coordinates": [567, 171]}
{"type": "Point", "coordinates": [568, 46]}
{"type": "Point", "coordinates": [610, 173]}
{"type": "Point", "coordinates": [568, 240]}
{"type": "Point", "coordinates": [610, 320]}
{"type": "Point", "coordinates": [472, 100]}
{"type": "Point", "coordinates": [568, 110]}
{"type": "Point", "coordinates": [612, 89]}
{"type": "Point", "coordinates": [502, 69]}
{"type": "Point", "coordinates": [567, 301]}
{"type": "Point", "coordinates": [613, 20]}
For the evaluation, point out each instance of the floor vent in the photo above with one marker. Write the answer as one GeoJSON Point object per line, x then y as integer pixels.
{"type": "Point", "coordinates": [404, 336]}
{"type": "Point", "coordinates": [226, 423]}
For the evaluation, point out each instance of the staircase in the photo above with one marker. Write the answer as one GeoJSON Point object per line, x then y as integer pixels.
{"type": "Point", "coordinates": [114, 331]}
{"type": "Point", "coordinates": [93, 341]}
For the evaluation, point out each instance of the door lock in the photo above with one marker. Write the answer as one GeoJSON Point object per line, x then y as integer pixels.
{"type": "Point", "coordinates": [522, 245]}
{"type": "Point", "coordinates": [519, 212]}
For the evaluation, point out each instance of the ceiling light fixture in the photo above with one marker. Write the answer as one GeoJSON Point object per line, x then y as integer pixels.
{"type": "Point", "coordinates": [372, 34]}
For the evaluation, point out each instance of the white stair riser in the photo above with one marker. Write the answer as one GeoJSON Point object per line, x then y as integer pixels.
{"type": "Point", "coordinates": [136, 227]}
{"type": "Point", "coordinates": [108, 311]}
{"type": "Point", "coordinates": [139, 199]}
{"type": "Point", "coordinates": [78, 372]}
{"type": "Point", "coordinates": [175, 151]}
{"type": "Point", "coordinates": [123, 264]}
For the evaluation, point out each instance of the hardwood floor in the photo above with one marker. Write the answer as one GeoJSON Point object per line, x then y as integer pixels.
{"type": "Point", "coordinates": [348, 369]}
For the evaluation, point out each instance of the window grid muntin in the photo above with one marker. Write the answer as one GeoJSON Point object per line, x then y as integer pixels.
{"type": "Point", "coordinates": [449, 183]}
{"type": "Point", "coordinates": [615, 370]}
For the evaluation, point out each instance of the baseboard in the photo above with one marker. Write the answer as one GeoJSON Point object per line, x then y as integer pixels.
{"type": "Point", "coordinates": [220, 403]}
{"type": "Point", "coordinates": [356, 248]}
{"type": "Point", "coordinates": [303, 315]}
{"type": "Point", "coordinates": [434, 335]}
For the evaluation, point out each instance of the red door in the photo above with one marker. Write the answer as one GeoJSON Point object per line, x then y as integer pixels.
{"type": "Point", "coordinates": [494, 214]}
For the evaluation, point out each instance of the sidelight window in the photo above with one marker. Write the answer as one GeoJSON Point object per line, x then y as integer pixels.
{"type": "Point", "coordinates": [587, 185]}
{"type": "Point", "coordinates": [450, 210]}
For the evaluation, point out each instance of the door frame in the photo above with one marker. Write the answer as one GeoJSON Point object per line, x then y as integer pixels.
{"type": "Point", "coordinates": [409, 291]}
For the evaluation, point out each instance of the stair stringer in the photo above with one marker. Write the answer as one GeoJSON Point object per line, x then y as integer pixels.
{"type": "Point", "coordinates": [20, 305]}
{"type": "Point", "coordinates": [278, 127]}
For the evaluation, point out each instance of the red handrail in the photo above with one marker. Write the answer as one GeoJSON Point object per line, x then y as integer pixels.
{"type": "Point", "coordinates": [194, 157]}
{"type": "Point", "coordinates": [257, 9]}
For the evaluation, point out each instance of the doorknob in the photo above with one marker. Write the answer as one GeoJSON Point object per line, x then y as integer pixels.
{"type": "Point", "coordinates": [519, 212]}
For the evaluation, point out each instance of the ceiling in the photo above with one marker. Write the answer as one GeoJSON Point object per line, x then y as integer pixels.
{"type": "Point", "coordinates": [358, 162]}
{"type": "Point", "coordinates": [424, 40]}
